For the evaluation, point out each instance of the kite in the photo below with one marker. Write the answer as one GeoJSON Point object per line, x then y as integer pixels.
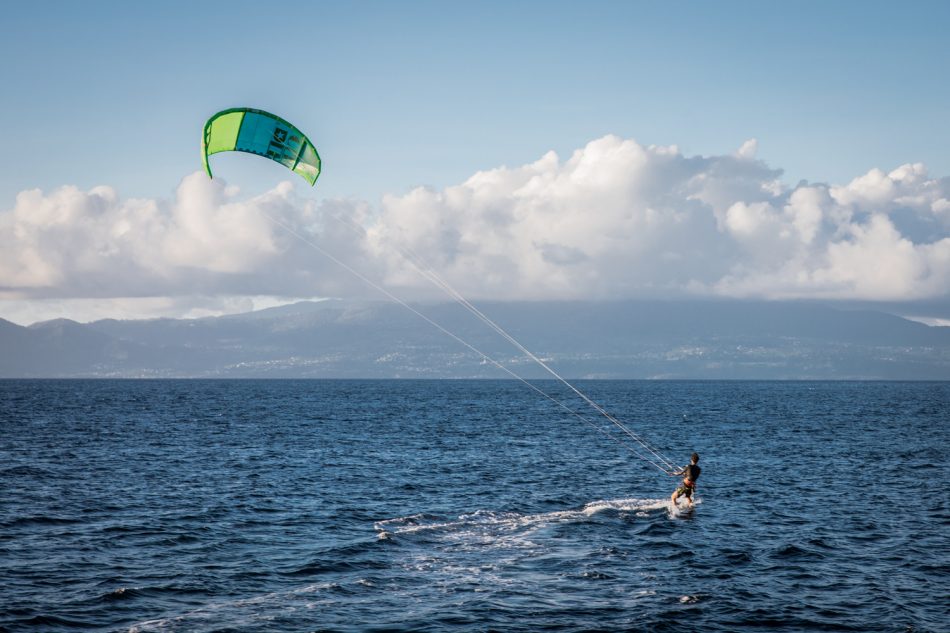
{"type": "Point", "coordinates": [261, 133]}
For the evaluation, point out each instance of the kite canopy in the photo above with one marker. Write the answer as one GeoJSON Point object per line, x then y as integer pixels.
{"type": "Point", "coordinates": [261, 133]}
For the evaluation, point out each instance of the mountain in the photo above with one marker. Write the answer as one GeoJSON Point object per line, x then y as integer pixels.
{"type": "Point", "coordinates": [622, 339]}
{"type": "Point", "coordinates": [60, 348]}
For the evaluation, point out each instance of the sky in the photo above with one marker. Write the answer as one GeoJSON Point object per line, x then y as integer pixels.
{"type": "Point", "coordinates": [523, 150]}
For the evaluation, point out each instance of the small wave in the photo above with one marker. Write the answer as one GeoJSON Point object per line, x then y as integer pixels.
{"type": "Point", "coordinates": [327, 566]}
{"type": "Point", "coordinates": [180, 539]}
{"type": "Point", "coordinates": [25, 471]}
{"type": "Point", "coordinates": [352, 556]}
{"type": "Point", "coordinates": [411, 520]}
{"type": "Point", "coordinates": [793, 552]}
{"type": "Point", "coordinates": [122, 593]}
{"type": "Point", "coordinates": [737, 557]}
{"type": "Point", "coordinates": [52, 621]}
{"type": "Point", "coordinates": [39, 520]}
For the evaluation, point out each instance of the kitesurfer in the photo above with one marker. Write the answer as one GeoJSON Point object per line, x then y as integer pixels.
{"type": "Point", "coordinates": [690, 474]}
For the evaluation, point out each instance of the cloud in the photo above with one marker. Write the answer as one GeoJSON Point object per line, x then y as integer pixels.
{"type": "Point", "coordinates": [618, 219]}
{"type": "Point", "coordinates": [71, 244]}
{"type": "Point", "coordinates": [748, 149]}
{"type": "Point", "coordinates": [615, 219]}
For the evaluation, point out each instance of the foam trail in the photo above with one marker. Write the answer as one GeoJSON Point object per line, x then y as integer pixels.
{"type": "Point", "coordinates": [488, 520]}
{"type": "Point", "coordinates": [247, 612]}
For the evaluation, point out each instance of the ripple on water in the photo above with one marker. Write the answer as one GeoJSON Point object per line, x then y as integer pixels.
{"type": "Point", "coordinates": [360, 505]}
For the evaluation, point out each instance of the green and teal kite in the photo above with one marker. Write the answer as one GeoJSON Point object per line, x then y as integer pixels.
{"type": "Point", "coordinates": [261, 133]}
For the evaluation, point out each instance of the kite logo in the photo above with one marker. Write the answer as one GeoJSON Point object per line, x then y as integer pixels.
{"type": "Point", "coordinates": [280, 135]}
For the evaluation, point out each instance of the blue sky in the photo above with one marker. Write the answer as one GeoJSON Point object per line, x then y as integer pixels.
{"type": "Point", "coordinates": [398, 95]}
{"type": "Point", "coordinates": [402, 94]}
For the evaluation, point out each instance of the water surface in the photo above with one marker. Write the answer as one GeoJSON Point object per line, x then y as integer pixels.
{"type": "Point", "coordinates": [470, 506]}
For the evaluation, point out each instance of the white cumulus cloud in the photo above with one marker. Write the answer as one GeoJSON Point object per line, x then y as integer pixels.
{"type": "Point", "coordinates": [206, 241]}
{"type": "Point", "coordinates": [616, 219]}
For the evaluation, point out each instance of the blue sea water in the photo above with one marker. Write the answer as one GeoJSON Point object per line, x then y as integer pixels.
{"type": "Point", "coordinates": [470, 506]}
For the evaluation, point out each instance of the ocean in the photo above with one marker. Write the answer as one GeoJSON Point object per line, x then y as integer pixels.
{"type": "Point", "coordinates": [326, 505]}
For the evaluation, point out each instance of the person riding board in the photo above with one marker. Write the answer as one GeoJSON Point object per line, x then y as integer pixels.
{"type": "Point", "coordinates": [690, 474]}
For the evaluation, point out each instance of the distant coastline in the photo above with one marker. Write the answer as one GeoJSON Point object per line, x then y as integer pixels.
{"type": "Point", "coordinates": [626, 340]}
